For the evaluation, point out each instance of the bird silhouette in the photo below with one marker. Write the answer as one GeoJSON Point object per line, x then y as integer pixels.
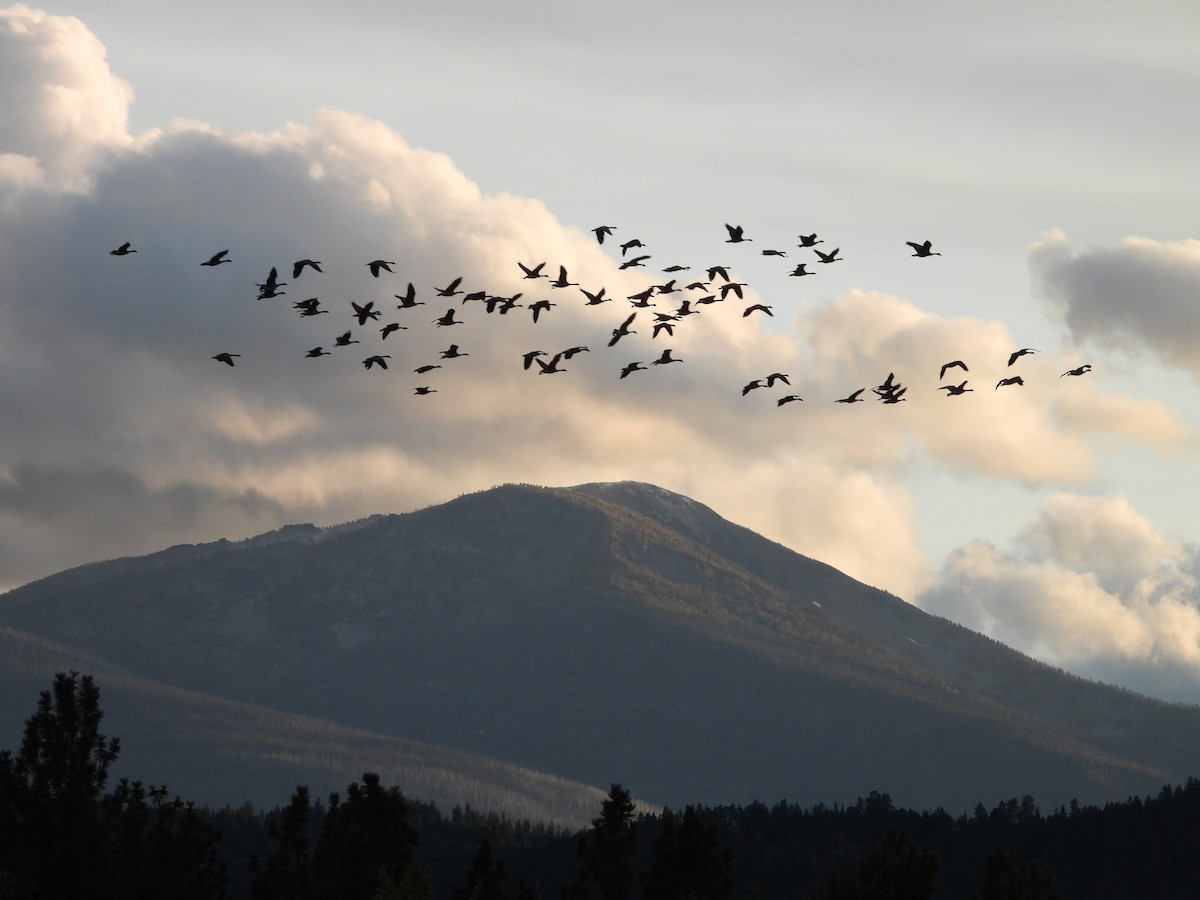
{"type": "Point", "coordinates": [390, 327]}
{"type": "Point", "coordinates": [809, 240]}
{"type": "Point", "coordinates": [829, 257]}
{"type": "Point", "coordinates": [922, 249]}
{"type": "Point", "coordinates": [757, 307]}
{"type": "Point", "coordinates": [1081, 370]}
{"type": "Point", "coordinates": [853, 398]}
{"type": "Point", "coordinates": [670, 269]}
{"type": "Point", "coordinates": [318, 351]}
{"type": "Point", "coordinates": [954, 364]}
{"type": "Point", "coordinates": [1015, 379]}
{"type": "Point", "coordinates": [665, 358]}
{"type": "Point", "coordinates": [380, 361]}
{"type": "Point", "coordinates": [790, 398]}
{"type": "Point", "coordinates": [571, 351]}
{"type": "Point", "coordinates": [596, 298]}
{"type": "Point", "coordinates": [422, 391]}
{"type": "Point", "coordinates": [631, 368]}
{"type": "Point", "coordinates": [561, 280]}
{"type": "Point", "coordinates": [408, 299]}
{"type": "Point", "coordinates": [800, 271]}
{"type": "Point", "coordinates": [603, 231]}
{"type": "Point", "coordinates": [630, 245]}
{"type": "Point", "coordinates": [226, 358]}
{"type": "Point", "coordinates": [365, 312]}
{"type": "Point", "coordinates": [421, 370]}
{"type": "Point", "coordinates": [623, 330]}
{"type": "Point", "coordinates": [299, 265]}
{"type": "Point", "coordinates": [774, 253]}
{"type": "Point", "coordinates": [734, 287]}
{"type": "Point", "coordinates": [376, 265]}
{"type": "Point", "coordinates": [666, 326]}
{"type": "Point", "coordinates": [714, 271]}
{"type": "Point", "coordinates": [953, 390]}
{"type": "Point", "coordinates": [531, 355]}
{"type": "Point", "coordinates": [634, 261]}
{"type": "Point", "coordinates": [451, 289]}
{"type": "Point", "coordinates": [736, 235]}
{"type": "Point", "coordinates": [123, 250]}
{"type": "Point", "coordinates": [549, 368]}
{"type": "Point", "coordinates": [777, 376]}
{"type": "Point", "coordinates": [539, 307]}
{"type": "Point", "coordinates": [343, 340]}
{"type": "Point", "coordinates": [217, 258]}
{"type": "Point", "coordinates": [753, 386]}
{"type": "Point", "coordinates": [447, 319]}
{"type": "Point", "coordinates": [452, 352]}
{"type": "Point", "coordinates": [1017, 354]}
{"type": "Point", "coordinates": [309, 307]}
{"type": "Point", "coordinates": [533, 271]}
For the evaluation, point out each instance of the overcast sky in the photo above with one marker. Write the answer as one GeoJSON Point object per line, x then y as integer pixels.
{"type": "Point", "coordinates": [1048, 151]}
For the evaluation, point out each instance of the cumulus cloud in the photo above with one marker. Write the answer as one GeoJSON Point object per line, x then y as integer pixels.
{"type": "Point", "coordinates": [1140, 294]}
{"type": "Point", "coordinates": [108, 388]}
{"type": "Point", "coordinates": [1090, 585]}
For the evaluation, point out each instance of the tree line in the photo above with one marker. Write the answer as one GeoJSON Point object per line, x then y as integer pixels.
{"type": "Point", "coordinates": [66, 834]}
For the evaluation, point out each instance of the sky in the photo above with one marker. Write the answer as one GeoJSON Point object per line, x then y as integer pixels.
{"type": "Point", "coordinates": [1047, 150]}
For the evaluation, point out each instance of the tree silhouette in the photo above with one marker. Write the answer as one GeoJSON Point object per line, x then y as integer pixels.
{"type": "Point", "coordinates": [894, 868]}
{"type": "Point", "coordinates": [605, 852]}
{"type": "Point", "coordinates": [688, 861]}
{"type": "Point", "coordinates": [1007, 878]}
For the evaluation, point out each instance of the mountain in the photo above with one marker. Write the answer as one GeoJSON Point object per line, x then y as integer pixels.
{"type": "Point", "coordinates": [600, 633]}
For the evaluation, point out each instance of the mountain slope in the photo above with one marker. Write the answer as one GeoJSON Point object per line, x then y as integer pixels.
{"type": "Point", "coordinates": [614, 632]}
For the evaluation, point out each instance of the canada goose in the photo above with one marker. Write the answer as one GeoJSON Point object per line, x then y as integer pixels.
{"type": "Point", "coordinates": [753, 386]}
{"type": "Point", "coordinates": [390, 327]}
{"type": "Point", "coordinates": [621, 332]}
{"type": "Point", "coordinates": [685, 309]}
{"type": "Point", "coordinates": [736, 235]}
{"type": "Point", "coordinates": [531, 355]}
{"type": "Point", "coordinates": [362, 313]}
{"type": "Point", "coordinates": [451, 289]}
{"type": "Point", "coordinates": [602, 231]}
{"type": "Point", "coordinates": [123, 250]}
{"type": "Point", "coordinates": [318, 351]}
{"type": "Point", "coordinates": [534, 271]}
{"type": "Point", "coordinates": [447, 319]}
{"type": "Point", "coordinates": [953, 390]}
{"type": "Point", "coordinates": [809, 240]}
{"type": "Point", "coordinates": [735, 286]}
{"type": "Point", "coordinates": [853, 398]}
{"type": "Point", "coordinates": [421, 370]}
{"type": "Point", "coordinates": [630, 245]}
{"type": "Point", "coordinates": [422, 391]}
{"type": "Point", "coordinates": [408, 299]}
{"type": "Point", "coordinates": [298, 266]}
{"type": "Point", "coordinates": [800, 271]}
{"type": "Point", "coordinates": [632, 367]}
{"type": "Point", "coordinates": [714, 271]}
{"type": "Point", "coordinates": [664, 325]}
{"type": "Point", "coordinates": [269, 286]}
{"type": "Point", "coordinates": [922, 249]}
{"type": "Point", "coordinates": [1017, 354]}
{"type": "Point", "coordinates": [954, 364]}
{"type": "Point", "coordinates": [343, 340]}
{"type": "Point", "coordinates": [696, 286]}
{"type": "Point", "coordinates": [226, 358]}
{"type": "Point", "coordinates": [571, 351]}
{"type": "Point", "coordinates": [561, 280]}
{"type": "Point", "coordinates": [452, 352]}
{"type": "Point", "coordinates": [549, 368]}
{"type": "Point", "coordinates": [760, 307]}
{"type": "Point", "coordinates": [829, 257]}
{"type": "Point", "coordinates": [380, 361]}
{"type": "Point", "coordinates": [216, 259]}
{"type": "Point", "coordinates": [665, 358]}
{"type": "Point", "coordinates": [539, 307]}
{"type": "Point", "coordinates": [309, 307]}
{"type": "Point", "coordinates": [376, 264]}
{"type": "Point", "coordinates": [1015, 379]}
{"type": "Point", "coordinates": [788, 399]}
{"type": "Point", "coordinates": [642, 298]}
{"type": "Point", "coordinates": [595, 299]}
{"type": "Point", "coordinates": [774, 253]}
{"type": "Point", "coordinates": [668, 288]}
{"type": "Point", "coordinates": [670, 269]}
{"type": "Point", "coordinates": [1081, 370]}
{"type": "Point", "coordinates": [634, 261]}
{"type": "Point", "coordinates": [777, 376]}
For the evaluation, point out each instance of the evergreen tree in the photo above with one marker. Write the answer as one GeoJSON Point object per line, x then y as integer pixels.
{"type": "Point", "coordinates": [1007, 878]}
{"type": "Point", "coordinates": [894, 868]}
{"type": "Point", "coordinates": [286, 872]}
{"type": "Point", "coordinates": [688, 862]}
{"type": "Point", "coordinates": [485, 876]}
{"type": "Point", "coordinates": [606, 851]}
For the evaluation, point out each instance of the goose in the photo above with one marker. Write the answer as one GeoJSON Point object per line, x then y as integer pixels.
{"type": "Point", "coordinates": [633, 262]}
{"type": "Point", "coordinates": [1081, 370]}
{"type": "Point", "coordinates": [759, 307]}
{"type": "Point", "coordinates": [534, 271]}
{"type": "Point", "coordinates": [668, 288]}
{"type": "Point", "coordinates": [853, 398]}
{"type": "Point", "coordinates": [753, 386]}
{"type": "Point", "coordinates": [123, 250]}
{"type": "Point", "coordinates": [380, 361]}
{"type": "Point", "coordinates": [666, 326]}
{"type": "Point", "coordinates": [953, 364]}
{"type": "Point", "coordinates": [343, 340]}
{"type": "Point", "coordinates": [714, 271]}
{"type": "Point", "coordinates": [561, 280]}
{"type": "Point", "coordinates": [631, 368]}
{"type": "Point", "coordinates": [603, 231]}
{"type": "Point", "coordinates": [800, 271]}
{"type": "Point", "coordinates": [549, 368]}
{"type": "Point", "coordinates": [735, 286]}
{"type": "Point", "coordinates": [422, 391]}
{"type": "Point", "coordinates": [696, 286]}
{"type": "Point", "coordinates": [391, 327]}
{"type": "Point", "coordinates": [376, 265]}
{"type": "Point", "coordinates": [777, 376]}
{"type": "Point", "coordinates": [665, 358]}
{"type": "Point", "coordinates": [624, 330]}
{"type": "Point", "coordinates": [809, 240]}
{"type": "Point", "coordinates": [226, 358]}
{"type": "Point", "coordinates": [595, 299]}
{"type": "Point", "coordinates": [539, 307]}
{"type": "Point", "coordinates": [829, 257]}
{"type": "Point", "coordinates": [309, 307]}
{"type": "Point", "coordinates": [685, 309]}
{"type": "Point", "coordinates": [953, 390]}
{"type": "Point", "coordinates": [409, 298]}
{"type": "Point", "coordinates": [1015, 379]}
{"type": "Point", "coordinates": [922, 249]}
{"type": "Point", "coordinates": [630, 245]}
{"type": "Point", "coordinates": [217, 258]}
{"type": "Point", "coordinates": [774, 253]}
{"type": "Point", "coordinates": [298, 266]}
{"type": "Point", "coordinates": [452, 352]}
{"type": "Point", "coordinates": [362, 313]}
{"type": "Point", "coordinates": [736, 235]}
{"type": "Point", "coordinates": [1017, 354]}
{"type": "Point", "coordinates": [447, 319]}
{"type": "Point", "coordinates": [318, 351]}
{"type": "Point", "coordinates": [531, 355]}
{"type": "Point", "coordinates": [788, 399]}
{"type": "Point", "coordinates": [642, 298]}
{"type": "Point", "coordinates": [670, 269]}
{"type": "Point", "coordinates": [571, 351]}
{"type": "Point", "coordinates": [421, 370]}
{"type": "Point", "coordinates": [451, 289]}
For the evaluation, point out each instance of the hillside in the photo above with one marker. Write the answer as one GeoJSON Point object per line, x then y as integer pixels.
{"type": "Point", "coordinates": [611, 632]}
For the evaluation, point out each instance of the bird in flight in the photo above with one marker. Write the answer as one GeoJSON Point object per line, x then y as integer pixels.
{"type": "Point", "coordinates": [318, 351]}
{"type": "Point", "coordinates": [390, 327]}
{"type": "Point", "coordinates": [853, 398]}
{"type": "Point", "coordinates": [421, 370]}
{"type": "Point", "coordinates": [922, 249]}
{"type": "Point", "coordinates": [753, 386]}
{"type": "Point", "coordinates": [800, 271]}
{"type": "Point", "coordinates": [809, 240]}
{"type": "Point", "coordinates": [1017, 354]}
{"type": "Point", "coordinates": [954, 364]}
{"type": "Point", "coordinates": [364, 312]}
{"type": "Point", "coordinates": [452, 352]}
{"type": "Point", "coordinates": [630, 245]}
{"type": "Point", "coordinates": [829, 257]}
{"type": "Point", "coordinates": [777, 376]}
{"type": "Point", "coordinates": [774, 253]}
{"type": "Point", "coordinates": [298, 266]}
{"type": "Point", "coordinates": [561, 280]}
{"type": "Point", "coordinates": [714, 271]}
{"type": "Point", "coordinates": [736, 235]}
{"type": "Point", "coordinates": [380, 361]}
{"type": "Point", "coordinates": [595, 299]}
{"type": "Point", "coordinates": [409, 298]}
{"type": "Point", "coordinates": [757, 307]}
{"type": "Point", "coordinates": [621, 332]}
{"type": "Point", "coordinates": [422, 391]}
{"type": "Point", "coordinates": [531, 356]}
{"type": "Point", "coordinates": [123, 250]}
{"type": "Point", "coordinates": [376, 265]}
{"type": "Point", "coordinates": [217, 258]}
{"type": "Point", "coordinates": [1081, 370]}
{"type": "Point", "coordinates": [634, 261]}
{"type": "Point", "coordinates": [549, 368]}
{"type": "Point", "coordinates": [631, 368]}
{"type": "Point", "coordinates": [447, 319]}
{"type": "Point", "coordinates": [309, 307]}
{"type": "Point", "coordinates": [953, 390]}
{"type": "Point", "coordinates": [1015, 379]}
{"type": "Point", "coordinates": [226, 358]}
{"type": "Point", "coordinates": [451, 289]}
{"type": "Point", "coordinates": [790, 398]}
{"type": "Point", "coordinates": [533, 271]}
{"type": "Point", "coordinates": [571, 351]}
{"type": "Point", "coordinates": [343, 340]}
{"type": "Point", "coordinates": [664, 358]}
{"type": "Point", "coordinates": [539, 307]}
{"type": "Point", "coordinates": [602, 231]}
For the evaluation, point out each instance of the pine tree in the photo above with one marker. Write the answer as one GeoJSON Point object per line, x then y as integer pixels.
{"type": "Point", "coordinates": [606, 851]}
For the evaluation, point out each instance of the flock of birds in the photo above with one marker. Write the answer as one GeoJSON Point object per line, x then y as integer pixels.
{"type": "Point", "coordinates": [665, 305]}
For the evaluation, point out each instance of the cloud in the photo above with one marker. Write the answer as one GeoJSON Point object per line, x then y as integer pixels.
{"type": "Point", "coordinates": [1091, 586]}
{"type": "Point", "coordinates": [62, 106]}
{"type": "Point", "coordinates": [1139, 294]}
{"type": "Point", "coordinates": [108, 387]}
